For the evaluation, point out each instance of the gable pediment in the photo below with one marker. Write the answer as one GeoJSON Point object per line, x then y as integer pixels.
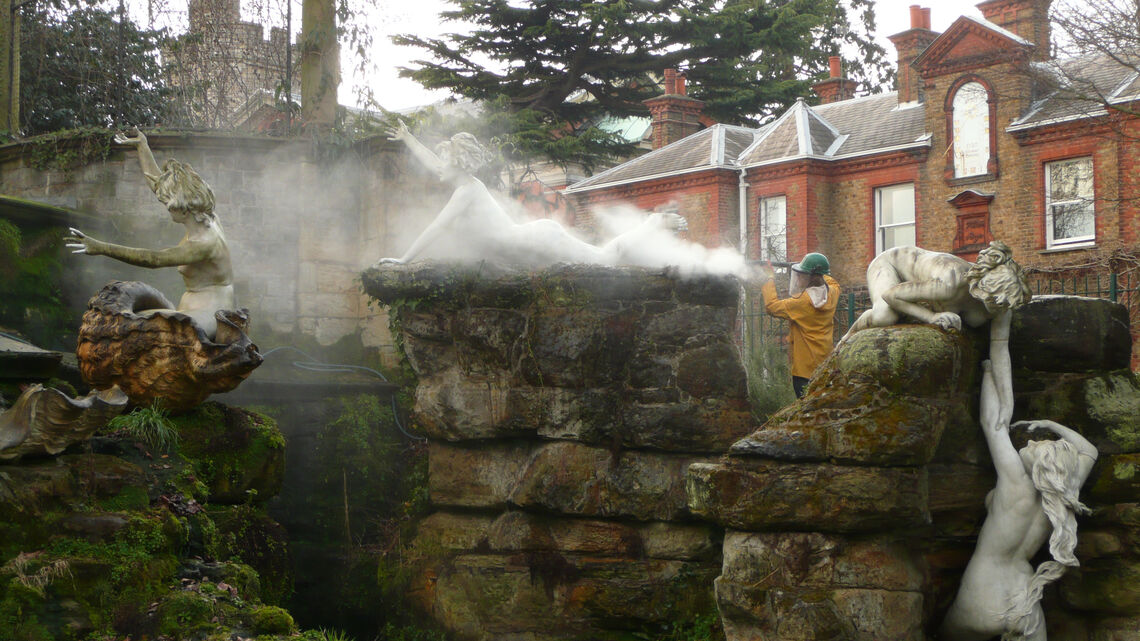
{"type": "Point", "coordinates": [970, 44]}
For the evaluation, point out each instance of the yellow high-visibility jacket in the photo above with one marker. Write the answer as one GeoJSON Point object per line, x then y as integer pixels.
{"type": "Point", "coordinates": [810, 330]}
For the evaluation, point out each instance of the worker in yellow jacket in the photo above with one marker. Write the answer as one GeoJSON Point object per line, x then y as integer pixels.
{"type": "Point", "coordinates": [810, 311]}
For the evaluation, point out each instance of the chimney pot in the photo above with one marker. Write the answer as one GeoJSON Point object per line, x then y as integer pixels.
{"type": "Point", "coordinates": [836, 65]}
{"type": "Point", "coordinates": [926, 17]}
{"type": "Point", "coordinates": [915, 17]}
{"type": "Point", "coordinates": [670, 82]}
{"type": "Point", "coordinates": [681, 84]}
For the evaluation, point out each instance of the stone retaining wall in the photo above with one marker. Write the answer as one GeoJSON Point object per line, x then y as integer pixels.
{"type": "Point", "coordinates": [563, 408]}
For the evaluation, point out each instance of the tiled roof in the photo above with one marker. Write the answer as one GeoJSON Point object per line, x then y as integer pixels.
{"type": "Point", "coordinates": [716, 146]}
{"type": "Point", "coordinates": [1086, 83]}
{"type": "Point", "coordinates": [840, 129]}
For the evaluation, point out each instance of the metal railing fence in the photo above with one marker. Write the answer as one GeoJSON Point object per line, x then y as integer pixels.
{"type": "Point", "coordinates": [1124, 288]}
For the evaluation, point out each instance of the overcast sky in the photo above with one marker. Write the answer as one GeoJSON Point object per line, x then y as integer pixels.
{"type": "Point", "coordinates": [422, 17]}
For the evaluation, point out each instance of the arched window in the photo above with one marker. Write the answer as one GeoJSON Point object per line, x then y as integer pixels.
{"type": "Point", "coordinates": [971, 130]}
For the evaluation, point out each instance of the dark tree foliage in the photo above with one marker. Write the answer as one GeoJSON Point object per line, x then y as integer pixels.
{"type": "Point", "coordinates": [558, 66]}
{"type": "Point", "coordinates": [83, 66]}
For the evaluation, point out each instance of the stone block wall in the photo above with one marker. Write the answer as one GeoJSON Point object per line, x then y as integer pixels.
{"type": "Point", "coordinates": [852, 514]}
{"type": "Point", "coordinates": [563, 408]}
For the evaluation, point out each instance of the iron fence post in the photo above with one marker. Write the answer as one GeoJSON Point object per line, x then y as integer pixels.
{"type": "Point", "coordinates": [1112, 286]}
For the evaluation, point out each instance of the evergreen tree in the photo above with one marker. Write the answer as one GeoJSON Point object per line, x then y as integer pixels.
{"type": "Point", "coordinates": [86, 67]}
{"type": "Point", "coordinates": [557, 66]}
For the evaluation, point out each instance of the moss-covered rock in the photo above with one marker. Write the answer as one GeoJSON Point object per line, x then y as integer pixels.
{"type": "Point", "coordinates": [239, 455]}
{"type": "Point", "coordinates": [270, 619]}
{"type": "Point", "coordinates": [883, 398]}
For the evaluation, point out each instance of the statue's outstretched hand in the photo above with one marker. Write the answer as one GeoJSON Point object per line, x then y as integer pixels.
{"type": "Point", "coordinates": [399, 131]}
{"type": "Point", "coordinates": [79, 242]}
{"type": "Point", "coordinates": [134, 138]}
{"type": "Point", "coordinates": [947, 321]}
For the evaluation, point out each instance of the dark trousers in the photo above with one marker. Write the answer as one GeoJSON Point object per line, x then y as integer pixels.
{"type": "Point", "coordinates": [798, 385]}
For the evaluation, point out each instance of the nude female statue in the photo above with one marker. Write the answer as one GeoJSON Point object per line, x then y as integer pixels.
{"type": "Point", "coordinates": [475, 221]}
{"type": "Point", "coordinates": [1036, 498]}
{"type": "Point", "coordinates": [941, 289]}
{"type": "Point", "coordinates": [202, 256]}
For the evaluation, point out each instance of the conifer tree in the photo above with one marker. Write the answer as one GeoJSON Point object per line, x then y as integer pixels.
{"type": "Point", "coordinates": [558, 66]}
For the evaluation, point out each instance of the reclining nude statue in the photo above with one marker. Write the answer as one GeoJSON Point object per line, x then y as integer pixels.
{"type": "Point", "coordinates": [134, 337]}
{"type": "Point", "coordinates": [941, 289]}
{"type": "Point", "coordinates": [1036, 498]}
{"type": "Point", "coordinates": [478, 226]}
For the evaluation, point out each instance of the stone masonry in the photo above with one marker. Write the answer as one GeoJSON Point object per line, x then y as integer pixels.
{"type": "Point", "coordinates": [563, 408]}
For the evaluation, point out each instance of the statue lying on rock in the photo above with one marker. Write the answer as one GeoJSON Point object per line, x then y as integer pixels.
{"type": "Point", "coordinates": [132, 336]}
{"type": "Point", "coordinates": [1036, 498]}
{"type": "Point", "coordinates": [942, 289]}
{"type": "Point", "coordinates": [476, 226]}
{"type": "Point", "coordinates": [44, 420]}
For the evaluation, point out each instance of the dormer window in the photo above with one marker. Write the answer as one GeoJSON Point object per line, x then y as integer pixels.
{"type": "Point", "coordinates": [971, 130]}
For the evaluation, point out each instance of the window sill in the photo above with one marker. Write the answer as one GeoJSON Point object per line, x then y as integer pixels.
{"type": "Point", "coordinates": [1066, 248]}
{"type": "Point", "coordinates": [970, 180]}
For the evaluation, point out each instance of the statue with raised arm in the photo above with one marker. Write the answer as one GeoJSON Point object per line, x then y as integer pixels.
{"type": "Point", "coordinates": [942, 289]}
{"type": "Point", "coordinates": [134, 337]}
{"type": "Point", "coordinates": [474, 225]}
{"type": "Point", "coordinates": [202, 256]}
{"type": "Point", "coordinates": [1036, 498]}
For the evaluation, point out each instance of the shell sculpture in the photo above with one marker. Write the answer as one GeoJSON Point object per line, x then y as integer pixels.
{"type": "Point", "coordinates": [44, 420]}
{"type": "Point", "coordinates": [131, 337]}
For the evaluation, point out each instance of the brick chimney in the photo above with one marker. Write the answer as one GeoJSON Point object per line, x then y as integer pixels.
{"type": "Point", "coordinates": [1027, 18]}
{"type": "Point", "coordinates": [909, 44]}
{"type": "Point", "coordinates": [836, 87]}
{"type": "Point", "coordinates": [675, 115]}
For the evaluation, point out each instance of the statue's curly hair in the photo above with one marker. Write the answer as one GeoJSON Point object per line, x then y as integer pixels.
{"type": "Point", "coordinates": [998, 286]}
{"type": "Point", "coordinates": [180, 186]}
{"type": "Point", "coordinates": [464, 151]}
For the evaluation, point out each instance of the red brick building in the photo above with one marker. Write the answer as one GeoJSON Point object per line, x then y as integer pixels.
{"type": "Point", "coordinates": [971, 146]}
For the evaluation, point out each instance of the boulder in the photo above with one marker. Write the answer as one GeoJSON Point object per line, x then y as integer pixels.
{"type": "Point", "coordinates": [883, 398]}
{"type": "Point", "coordinates": [238, 454]}
{"type": "Point", "coordinates": [571, 478]}
{"type": "Point", "coordinates": [760, 495]}
{"type": "Point", "coordinates": [1070, 334]}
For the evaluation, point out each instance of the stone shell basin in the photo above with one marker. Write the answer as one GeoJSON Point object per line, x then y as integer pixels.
{"type": "Point", "coordinates": [160, 355]}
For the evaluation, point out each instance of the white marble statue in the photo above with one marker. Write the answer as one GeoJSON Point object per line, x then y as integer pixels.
{"type": "Point", "coordinates": [474, 225]}
{"type": "Point", "coordinates": [202, 256]}
{"type": "Point", "coordinates": [941, 289]}
{"type": "Point", "coordinates": [1036, 498]}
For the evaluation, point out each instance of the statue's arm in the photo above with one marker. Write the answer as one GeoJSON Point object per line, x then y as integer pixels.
{"type": "Point", "coordinates": [421, 153]}
{"type": "Point", "coordinates": [149, 167]}
{"type": "Point", "coordinates": [1007, 462]}
{"type": "Point", "coordinates": [1087, 451]}
{"type": "Point", "coordinates": [184, 253]}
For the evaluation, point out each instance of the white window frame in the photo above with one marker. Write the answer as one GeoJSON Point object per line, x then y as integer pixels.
{"type": "Point", "coordinates": [880, 244]}
{"type": "Point", "coordinates": [766, 205]}
{"type": "Point", "coordinates": [1088, 200]}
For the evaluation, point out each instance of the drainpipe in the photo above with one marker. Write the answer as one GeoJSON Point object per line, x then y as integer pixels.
{"type": "Point", "coordinates": [743, 201]}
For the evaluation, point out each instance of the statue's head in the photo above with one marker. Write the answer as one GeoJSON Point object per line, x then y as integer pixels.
{"type": "Point", "coordinates": [463, 152]}
{"type": "Point", "coordinates": [180, 187]}
{"type": "Point", "coordinates": [996, 280]}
